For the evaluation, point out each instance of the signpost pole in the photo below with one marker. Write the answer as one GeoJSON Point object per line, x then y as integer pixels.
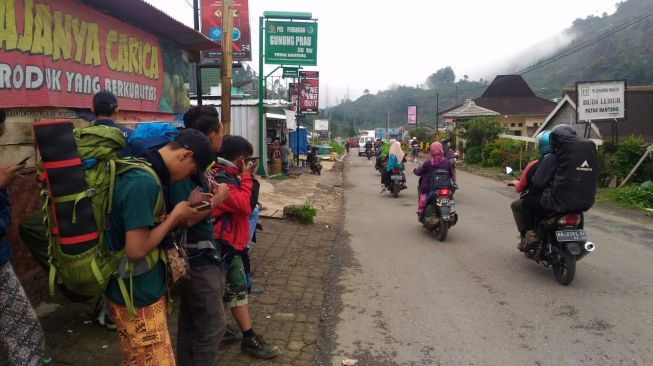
{"type": "Point", "coordinates": [226, 67]}
{"type": "Point", "coordinates": [198, 70]}
{"type": "Point", "coordinates": [261, 170]}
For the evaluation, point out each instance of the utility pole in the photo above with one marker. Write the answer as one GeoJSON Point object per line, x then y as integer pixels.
{"type": "Point", "coordinates": [226, 60]}
{"type": "Point", "coordinates": [437, 111]}
{"type": "Point", "coordinates": [387, 126]}
{"type": "Point", "coordinates": [198, 70]}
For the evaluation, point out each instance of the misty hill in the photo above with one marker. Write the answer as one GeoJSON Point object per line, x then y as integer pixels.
{"type": "Point", "coordinates": [596, 53]}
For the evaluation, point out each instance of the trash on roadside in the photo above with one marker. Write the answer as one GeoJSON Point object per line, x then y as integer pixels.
{"type": "Point", "coordinates": [104, 346]}
{"type": "Point", "coordinates": [70, 330]}
{"type": "Point", "coordinates": [88, 322]}
{"type": "Point", "coordinates": [268, 317]}
{"type": "Point", "coordinates": [349, 362]}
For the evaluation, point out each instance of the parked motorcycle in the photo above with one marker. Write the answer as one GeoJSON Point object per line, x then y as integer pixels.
{"type": "Point", "coordinates": [563, 242]}
{"type": "Point", "coordinates": [439, 213]}
{"type": "Point", "coordinates": [314, 162]}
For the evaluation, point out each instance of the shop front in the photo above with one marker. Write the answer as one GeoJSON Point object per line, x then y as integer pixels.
{"type": "Point", "coordinates": [56, 54]}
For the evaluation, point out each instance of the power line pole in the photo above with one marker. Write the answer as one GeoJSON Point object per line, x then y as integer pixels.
{"type": "Point", "coordinates": [437, 111]}
{"type": "Point", "coordinates": [198, 70]}
{"type": "Point", "coordinates": [226, 67]}
{"type": "Point", "coordinates": [387, 126]}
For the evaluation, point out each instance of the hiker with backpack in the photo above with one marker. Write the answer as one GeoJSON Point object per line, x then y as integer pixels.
{"type": "Point", "coordinates": [202, 320]}
{"type": "Point", "coordinates": [105, 108]}
{"type": "Point", "coordinates": [143, 331]}
{"type": "Point", "coordinates": [21, 336]}
{"type": "Point", "coordinates": [231, 231]}
{"type": "Point", "coordinates": [565, 180]}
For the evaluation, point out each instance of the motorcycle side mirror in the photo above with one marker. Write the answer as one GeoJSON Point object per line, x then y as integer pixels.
{"type": "Point", "coordinates": [509, 170]}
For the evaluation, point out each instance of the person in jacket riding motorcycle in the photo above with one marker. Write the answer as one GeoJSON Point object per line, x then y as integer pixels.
{"type": "Point", "coordinates": [532, 208]}
{"type": "Point", "coordinates": [435, 161]}
{"type": "Point", "coordinates": [396, 158]}
{"type": "Point", "coordinates": [523, 185]}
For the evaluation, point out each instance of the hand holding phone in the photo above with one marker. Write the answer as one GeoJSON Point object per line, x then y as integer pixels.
{"type": "Point", "coordinates": [201, 205]}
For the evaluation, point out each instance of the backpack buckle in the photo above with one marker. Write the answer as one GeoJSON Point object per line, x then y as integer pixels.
{"type": "Point", "coordinates": [91, 192]}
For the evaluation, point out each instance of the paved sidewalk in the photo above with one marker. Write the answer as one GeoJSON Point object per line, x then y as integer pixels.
{"type": "Point", "coordinates": [290, 259]}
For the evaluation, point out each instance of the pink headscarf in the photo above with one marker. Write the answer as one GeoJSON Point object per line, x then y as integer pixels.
{"type": "Point", "coordinates": [437, 153]}
{"type": "Point", "coordinates": [395, 149]}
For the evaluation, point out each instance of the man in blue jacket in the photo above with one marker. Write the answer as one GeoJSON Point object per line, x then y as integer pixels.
{"type": "Point", "coordinates": [24, 344]}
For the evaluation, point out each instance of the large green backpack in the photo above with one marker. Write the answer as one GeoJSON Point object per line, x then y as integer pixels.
{"type": "Point", "coordinates": [89, 272]}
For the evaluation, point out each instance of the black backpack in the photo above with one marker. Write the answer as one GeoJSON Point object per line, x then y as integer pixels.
{"type": "Point", "coordinates": [574, 184]}
{"type": "Point", "coordinates": [439, 178]}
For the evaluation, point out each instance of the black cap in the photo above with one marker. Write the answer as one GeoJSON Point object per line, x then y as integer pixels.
{"type": "Point", "coordinates": [105, 99]}
{"type": "Point", "coordinates": [199, 144]}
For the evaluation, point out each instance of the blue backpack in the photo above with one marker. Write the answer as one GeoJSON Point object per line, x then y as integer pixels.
{"type": "Point", "coordinates": [149, 136]}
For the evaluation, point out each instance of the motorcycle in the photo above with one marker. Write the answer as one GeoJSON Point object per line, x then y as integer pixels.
{"type": "Point", "coordinates": [563, 242]}
{"type": "Point", "coordinates": [439, 213]}
{"type": "Point", "coordinates": [380, 161]}
{"type": "Point", "coordinates": [397, 182]}
{"type": "Point", "coordinates": [314, 163]}
{"type": "Point", "coordinates": [368, 153]}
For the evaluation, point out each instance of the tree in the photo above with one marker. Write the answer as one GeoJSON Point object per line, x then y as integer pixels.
{"type": "Point", "coordinates": [441, 77]}
{"type": "Point", "coordinates": [366, 91]}
{"type": "Point", "coordinates": [480, 131]}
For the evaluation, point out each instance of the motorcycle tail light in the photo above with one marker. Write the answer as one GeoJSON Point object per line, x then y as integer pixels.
{"type": "Point", "coordinates": [395, 171]}
{"type": "Point", "coordinates": [569, 220]}
{"type": "Point", "coordinates": [444, 192]}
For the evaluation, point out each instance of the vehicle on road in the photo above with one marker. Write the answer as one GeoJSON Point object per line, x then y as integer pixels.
{"type": "Point", "coordinates": [439, 213]}
{"type": "Point", "coordinates": [562, 242]}
{"type": "Point", "coordinates": [362, 141]}
{"type": "Point", "coordinates": [397, 182]}
{"type": "Point", "coordinates": [369, 152]}
{"type": "Point", "coordinates": [314, 161]}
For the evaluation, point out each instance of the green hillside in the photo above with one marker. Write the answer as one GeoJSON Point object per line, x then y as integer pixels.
{"type": "Point", "coordinates": [595, 54]}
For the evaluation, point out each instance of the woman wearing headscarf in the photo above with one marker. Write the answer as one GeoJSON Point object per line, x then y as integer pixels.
{"type": "Point", "coordinates": [395, 160]}
{"type": "Point", "coordinates": [435, 161]}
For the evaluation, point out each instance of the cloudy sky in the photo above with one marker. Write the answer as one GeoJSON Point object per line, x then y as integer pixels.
{"type": "Point", "coordinates": [372, 44]}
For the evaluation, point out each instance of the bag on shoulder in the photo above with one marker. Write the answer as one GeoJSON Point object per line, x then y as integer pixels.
{"type": "Point", "coordinates": [574, 184]}
{"type": "Point", "coordinates": [77, 175]}
{"type": "Point", "coordinates": [149, 136]}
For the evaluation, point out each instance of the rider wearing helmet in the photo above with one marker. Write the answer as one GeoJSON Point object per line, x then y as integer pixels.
{"type": "Point", "coordinates": [541, 179]}
{"type": "Point", "coordinates": [523, 185]}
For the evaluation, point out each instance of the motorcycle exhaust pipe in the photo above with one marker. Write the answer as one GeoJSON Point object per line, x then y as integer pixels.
{"type": "Point", "coordinates": [589, 246]}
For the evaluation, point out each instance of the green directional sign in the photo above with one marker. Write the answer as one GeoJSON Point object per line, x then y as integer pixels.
{"type": "Point", "coordinates": [290, 72]}
{"type": "Point", "coordinates": [291, 43]}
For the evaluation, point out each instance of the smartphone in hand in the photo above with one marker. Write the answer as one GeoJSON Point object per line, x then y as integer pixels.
{"type": "Point", "coordinates": [201, 205]}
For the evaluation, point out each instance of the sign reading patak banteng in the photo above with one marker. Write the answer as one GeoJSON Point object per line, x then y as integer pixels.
{"type": "Point", "coordinates": [291, 43]}
{"type": "Point", "coordinates": [601, 100]}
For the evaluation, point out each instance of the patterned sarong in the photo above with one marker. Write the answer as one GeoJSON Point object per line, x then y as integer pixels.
{"type": "Point", "coordinates": [21, 336]}
{"type": "Point", "coordinates": [144, 340]}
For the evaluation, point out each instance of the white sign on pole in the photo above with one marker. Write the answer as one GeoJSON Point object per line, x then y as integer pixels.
{"type": "Point", "coordinates": [601, 100]}
{"type": "Point", "coordinates": [321, 125]}
{"type": "Point", "coordinates": [291, 120]}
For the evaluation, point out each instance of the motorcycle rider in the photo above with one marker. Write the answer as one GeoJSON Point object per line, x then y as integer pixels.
{"type": "Point", "coordinates": [436, 161]}
{"type": "Point", "coordinates": [396, 158]}
{"type": "Point", "coordinates": [369, 145]}
{"type": "Point", "coordinates": [523, 186]}
{"type": "Point", "coordinates": [532, 207]}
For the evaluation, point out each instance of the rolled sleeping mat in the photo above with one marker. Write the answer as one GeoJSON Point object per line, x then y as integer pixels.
{"type": "Point", "coordinates": [62, 165]}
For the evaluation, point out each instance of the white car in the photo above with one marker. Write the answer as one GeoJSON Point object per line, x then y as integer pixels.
{"type": "Point", "coordinates": [361, 144]}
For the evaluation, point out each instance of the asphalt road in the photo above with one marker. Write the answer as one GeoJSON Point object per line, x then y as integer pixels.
{"type": "Point", "coordinates": [408, 299]}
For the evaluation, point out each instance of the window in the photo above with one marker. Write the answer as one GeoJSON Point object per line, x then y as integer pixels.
{"type": "Point", "coordinates": [512, 125]}
{"type": "Point", "coordinates": [536, 125]}
{"type": "Point", "coordinates": [521, 125]}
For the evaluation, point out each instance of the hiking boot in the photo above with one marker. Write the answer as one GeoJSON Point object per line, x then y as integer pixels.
{"type": "Point", "coordinates": [258, 348]}
{"type": "Point", "coordinates": [231, 335]}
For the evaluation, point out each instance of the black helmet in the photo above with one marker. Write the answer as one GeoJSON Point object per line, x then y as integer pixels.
{"type": "Point", "coordinates": [559, 132]}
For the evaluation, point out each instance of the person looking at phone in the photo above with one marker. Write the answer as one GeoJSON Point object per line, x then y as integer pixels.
{"type": "Point", "coordinates": [21, 338]}
{"type": "Point", "coordinates": [202, 320]}
{"type": "Point", "coordinates": [231, 231]}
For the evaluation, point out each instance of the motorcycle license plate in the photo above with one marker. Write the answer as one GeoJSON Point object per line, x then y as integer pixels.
{"type": "Point", "coordinates": [445, 202]}
{"type": "Point", "coordinates": [571, 235]}
{"type": "Point", "coordinates": [396, 177]}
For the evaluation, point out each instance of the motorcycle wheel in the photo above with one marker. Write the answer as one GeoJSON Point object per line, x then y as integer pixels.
{"type": "Point", "coordinates": [395, 189]}
{"type": "Point", "coordinates": [442, 230]}
{"type": "Point", "coordinates": [564, 269]}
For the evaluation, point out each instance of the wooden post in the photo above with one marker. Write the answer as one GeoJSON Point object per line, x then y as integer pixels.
{"type": "Point", "coordinates": [226, 63]}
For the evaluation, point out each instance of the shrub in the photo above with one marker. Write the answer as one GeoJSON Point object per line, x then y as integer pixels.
{"type": "Point", "coordinates": [336, 147]}
{"type": "Point", "coordinates": [640, 196]}
{"type": "Point", "coordinates": [617, 160]}
{"type": "Point", "coordinates": [304, 213]}
{"type": "Point", "coordinates": [473, 154]}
